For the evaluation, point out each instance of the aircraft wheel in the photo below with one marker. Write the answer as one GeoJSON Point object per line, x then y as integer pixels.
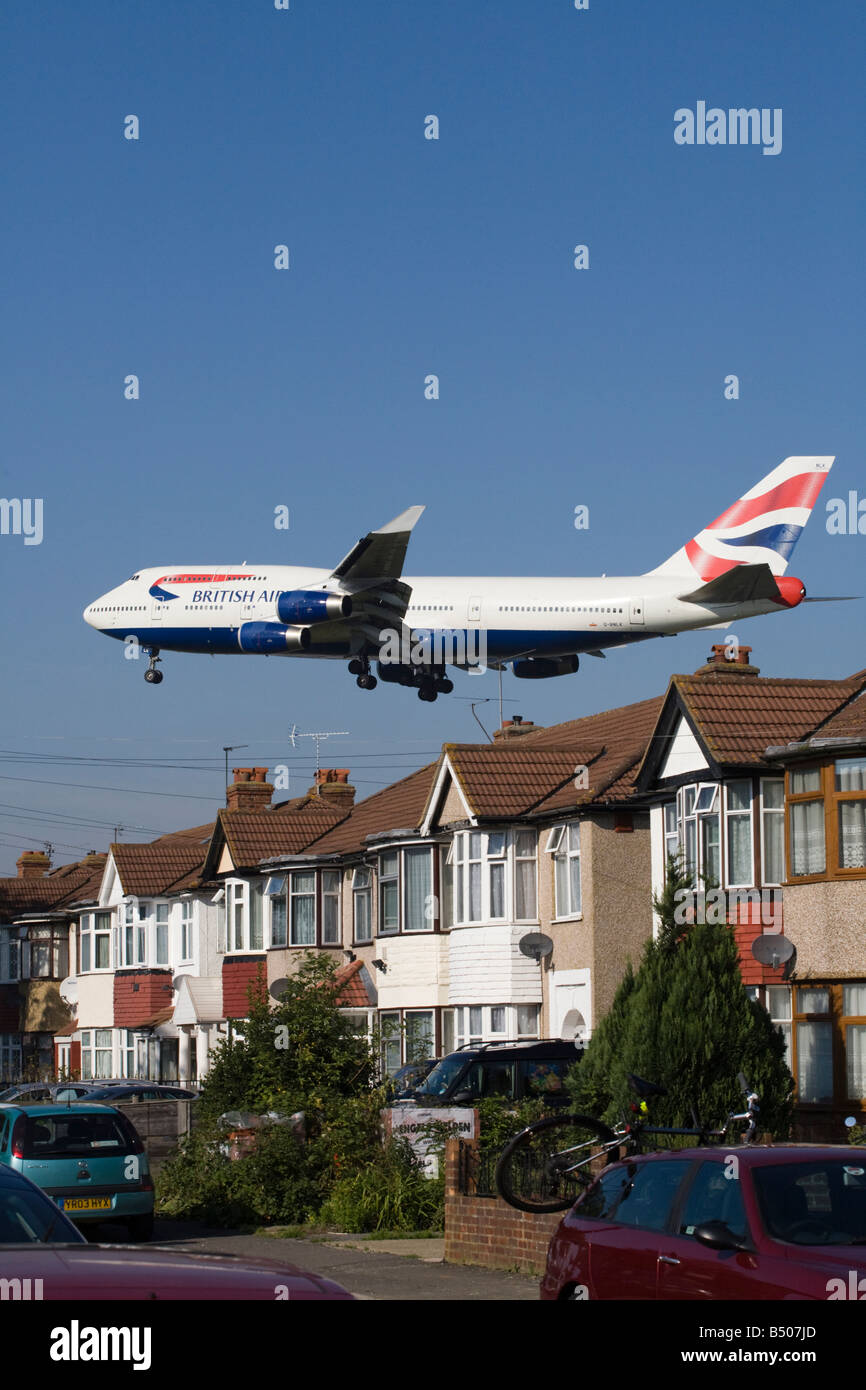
{"type": "Point", "coordinates": [356, 666]}
{"type": "Point", "coordinates": [367, 682]}
{"type": "Point", "coordinates": [153, 676]}
{"type": "Point", "coordinates": [427, 693]}
{"type": "Point", "coordinates": [445, 685]}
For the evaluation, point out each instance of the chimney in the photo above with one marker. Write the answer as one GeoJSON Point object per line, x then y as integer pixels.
{"type": "Point", "coordinates": [332, 787]}
{"type": "Point", "coordinates": [249, 791]}
{"type": "Point", "coordinates": [515, 726]}
{"type": "Point", "coordinates": [33, 863]}
{"type": "Point", "coordinates": [726, 659]}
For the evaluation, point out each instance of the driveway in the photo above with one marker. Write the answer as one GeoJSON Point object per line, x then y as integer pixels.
{"type": "Point", "coordinates": [368, 1269]}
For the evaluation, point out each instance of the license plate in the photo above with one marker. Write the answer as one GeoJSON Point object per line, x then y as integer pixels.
{"type": "Point", "coordinates": [85, 1203]}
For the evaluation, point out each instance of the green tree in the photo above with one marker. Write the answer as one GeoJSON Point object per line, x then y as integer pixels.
{"type": "Point", "coordinates": [684, 1020]}
{"type": "Point", "coordinates": [296, 1054]}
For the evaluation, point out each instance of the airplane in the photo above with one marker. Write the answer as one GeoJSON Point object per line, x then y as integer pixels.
{"type": "Point", "coordinates": [365, 610]}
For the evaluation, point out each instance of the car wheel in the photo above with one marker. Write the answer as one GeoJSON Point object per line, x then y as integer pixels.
{"type": "Point", "coordinates": [140, 1228]}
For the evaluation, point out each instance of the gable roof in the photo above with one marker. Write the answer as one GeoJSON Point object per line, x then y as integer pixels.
{"type": "Point", "coordinates": [737, 718]}
{"type": "Point", "coordinates": [149, 870]}
{"type": "Point", "coordinates": [254, 836]}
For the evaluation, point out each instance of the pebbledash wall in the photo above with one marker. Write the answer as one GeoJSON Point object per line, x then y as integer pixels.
{"type": "Point", "coordinates": [486, 1231]}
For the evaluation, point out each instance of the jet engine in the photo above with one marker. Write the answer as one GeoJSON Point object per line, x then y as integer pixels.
{"type": "Point", "coordinates": [312, 606]}
{"type": "Point", "coordinates": [541, 667]}
{"type": "Point", "coordinates": [272, 637]}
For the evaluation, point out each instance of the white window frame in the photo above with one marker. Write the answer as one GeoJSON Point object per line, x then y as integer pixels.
{"type": "Point", "coordinates": [362, 892]}
{"type": "Point", "coordinates": [739, 814]}
{"type": "Point", "coordinates": [557, 834]}
{"type": "Point", "coordinates": [776, 815]}
{"type": "Point", "coordinates": [187, 942]}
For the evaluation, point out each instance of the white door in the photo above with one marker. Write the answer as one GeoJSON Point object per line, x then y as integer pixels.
{"type": "Point", "coordinates": [635, 612]}
{"type": "Point", "coordinates": [570, 1004]}
{"type": "Point", "coordinates": [473, 614]}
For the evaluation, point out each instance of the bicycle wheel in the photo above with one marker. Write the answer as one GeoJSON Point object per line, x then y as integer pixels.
{"type": "Point", "coordinates": [548, 1165]}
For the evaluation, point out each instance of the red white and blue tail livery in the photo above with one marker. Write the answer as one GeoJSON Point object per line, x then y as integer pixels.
{"type": "Point", "coordinates": [366, 610]}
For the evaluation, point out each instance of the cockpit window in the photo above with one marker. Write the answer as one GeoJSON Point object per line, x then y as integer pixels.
{"type": "Point", "coordinates": [132, 580]}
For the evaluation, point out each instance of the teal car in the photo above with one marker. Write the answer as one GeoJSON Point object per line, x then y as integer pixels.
{"type": "Point", "coordinates": [88, 1158]}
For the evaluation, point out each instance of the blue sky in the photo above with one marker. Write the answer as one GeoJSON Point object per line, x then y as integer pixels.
{"type": "Point", "coordinates": [408, 256]}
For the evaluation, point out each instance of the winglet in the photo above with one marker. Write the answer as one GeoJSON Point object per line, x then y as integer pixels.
{"type": "Point", "coordinates": [404, 522]}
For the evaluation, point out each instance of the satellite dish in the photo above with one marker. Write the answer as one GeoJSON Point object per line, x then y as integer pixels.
{"type": "Point", "coordinates": [69, 990]}
{"type": "Point", "coordinates": [772, 949]}
{"type": "Point", "coordinates": [278, 988]}
{"type": "Point", "coordinates": [535, 945]}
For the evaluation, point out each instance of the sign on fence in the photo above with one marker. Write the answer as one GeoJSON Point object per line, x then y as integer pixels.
{"type": "Point", "coordinates": [412, 1123]}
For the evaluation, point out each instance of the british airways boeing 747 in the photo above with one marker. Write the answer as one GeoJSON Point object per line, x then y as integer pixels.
{"type": "Point", "coordinates": [367, 611]}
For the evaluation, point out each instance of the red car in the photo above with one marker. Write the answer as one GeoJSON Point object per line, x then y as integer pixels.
{"type": "Point", "coordinates": [102, 1272]}
{"type": "Point", "coordinates": [726, 1223]}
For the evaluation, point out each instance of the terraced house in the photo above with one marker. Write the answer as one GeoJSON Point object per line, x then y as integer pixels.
{"type": "Point", "coordinates": [495, 893]}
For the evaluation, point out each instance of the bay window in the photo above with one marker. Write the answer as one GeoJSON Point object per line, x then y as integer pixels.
{"type": "Point", "coordinates": [406, 899]}
{"type": "Point", "coordinates": [48, 948]}
{"type": "Point", "coordinates": [492, 876]}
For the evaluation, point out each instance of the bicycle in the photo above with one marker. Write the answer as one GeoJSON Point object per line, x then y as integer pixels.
{"type": "Point", "coordinates": [547, 1166]}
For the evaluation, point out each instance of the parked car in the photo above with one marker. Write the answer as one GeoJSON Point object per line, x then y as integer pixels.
{"type": "Point", "coordinates": [730, 1223]}
{"type": "Point", "coordinates": [405, 1080]}
{"type": "Point", "coordinates": [135, 1090]}
{"type": "Point", "coordinates": [109, 1272]}
{"type": "Point", "coordinates": [515, 1070]}
{"type": "Point", "coordinates": [28, 1215]}
{"type": "Point", "coordinates": [28, 1092]}
{"type": "Point", "coordinates": [88, 1157]}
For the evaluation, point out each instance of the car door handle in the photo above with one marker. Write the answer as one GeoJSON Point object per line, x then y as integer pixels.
{"type": "Point", "coordinates": [668, 1260]}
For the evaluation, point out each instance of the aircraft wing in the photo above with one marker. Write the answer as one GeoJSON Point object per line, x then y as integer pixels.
{"type": "Point", "coordinates": [377, 559]}
{"type": "Point", "coordinates": [738, 585]}
{"type": "Point", "coordinates": [371, 574]}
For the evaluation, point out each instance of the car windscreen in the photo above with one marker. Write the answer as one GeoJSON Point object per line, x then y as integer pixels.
{"type": "Point", "coordinates": [26, 1217]}
{"type": "Point", "coordinates": [822, 1202]}
{"type": "Point", "coordinates": [77, 1136]}
{"type": "Point", "coordinates": [442, 1076]}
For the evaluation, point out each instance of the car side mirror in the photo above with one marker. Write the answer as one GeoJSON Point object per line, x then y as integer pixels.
{"type": "Point", "coordinates": [718, 1236]}
{"type": "Point", "coordinates": [461, 1097]}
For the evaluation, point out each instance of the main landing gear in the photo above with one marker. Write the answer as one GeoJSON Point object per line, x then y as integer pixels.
{"type": "Point", "coordinates": [429, 681]}
{"type": "Point", "coordinates": [359, 666]}
{"type": "Point", "coordinates": [151, 675]}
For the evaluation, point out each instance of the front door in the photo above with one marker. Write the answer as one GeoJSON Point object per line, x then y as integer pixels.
{"type": "Point", "coordinates": [635, 612]}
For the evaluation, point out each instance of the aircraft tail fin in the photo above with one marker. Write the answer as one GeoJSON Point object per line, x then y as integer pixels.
{"type": "Point", "coordinates": [761, 527]}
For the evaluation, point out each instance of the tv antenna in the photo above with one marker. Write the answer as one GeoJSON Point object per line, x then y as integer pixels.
{"type": "Point", "coordinates": [230, 748]}
{"type": "Point", "coordinates": [319, 737]}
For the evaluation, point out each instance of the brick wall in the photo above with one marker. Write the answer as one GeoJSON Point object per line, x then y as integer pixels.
{"type": "Point", "coordinates": [486, 1231]}
{"type": "Point", "coordinates": [139, 995]}
{"type": "Point", "coordinates": [239, 973]}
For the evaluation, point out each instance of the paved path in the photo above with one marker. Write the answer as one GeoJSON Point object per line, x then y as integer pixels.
{"type": "Point", "coordinates": [368, 1269]}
